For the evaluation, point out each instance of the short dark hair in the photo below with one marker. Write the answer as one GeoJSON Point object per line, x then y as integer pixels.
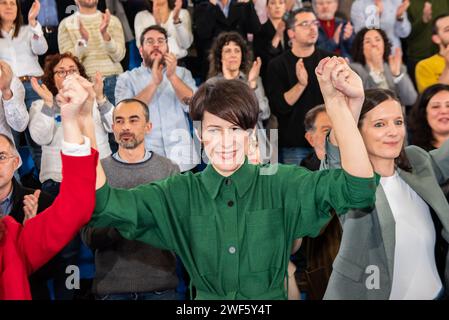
{"type": "Point", "coordinates": [374, 97]}
{"type": "Point", "coordinates": [153, 27]}
{"type": "Point", "coordinates": [215, 55]}
{"type": "Point", "coordinates": [421, 132]}
{"type": "Point", "coordinates": [357, 46]}
{"type": "Point", "coordinates": [311, 115]}
{"type": "Point", "coordinates": [290, 17]}
{"type": "Point", "coordinates": [435, 20]}
{"type": "Point", "coordinates": [145, 110]}
{"type": "Point", "coordinates": [230, 100]}
{"type": "Point", "coordinates": [18, 22]}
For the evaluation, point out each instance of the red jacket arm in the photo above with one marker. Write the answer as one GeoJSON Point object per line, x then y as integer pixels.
{"type": "Point", "coordinates": [45, 235]}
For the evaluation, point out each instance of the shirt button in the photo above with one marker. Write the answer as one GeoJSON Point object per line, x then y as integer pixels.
{"type": "Point", "coordinates": [232, 249]}
{"type": "Point", "coordinates": [230, 203]}
{"type": "Point", "coordinates": [228, 182]}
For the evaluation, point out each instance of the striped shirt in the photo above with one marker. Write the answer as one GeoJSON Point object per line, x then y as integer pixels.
{"type": "Point", "coordinates": [98, 55]}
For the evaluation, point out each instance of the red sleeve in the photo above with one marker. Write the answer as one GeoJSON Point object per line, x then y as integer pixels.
{"type": "Point", "coordinates": [45, 235]}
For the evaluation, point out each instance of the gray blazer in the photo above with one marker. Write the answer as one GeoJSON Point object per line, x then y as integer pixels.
{"type": "Point", "coordinates": [404, 88]}
{"type": "Point", "coordinates": [369, 237]}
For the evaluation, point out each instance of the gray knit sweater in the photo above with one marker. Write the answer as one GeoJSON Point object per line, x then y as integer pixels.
{"type": "Point", "coordinates": [124, 266]}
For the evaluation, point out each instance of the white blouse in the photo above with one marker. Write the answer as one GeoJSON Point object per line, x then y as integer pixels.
{"type": "Point", "coordinates": [22, 52]}
{"type": "Point", "coordinates": [415, 275]}
{"type": "Point", "coordinates": [180, 35]}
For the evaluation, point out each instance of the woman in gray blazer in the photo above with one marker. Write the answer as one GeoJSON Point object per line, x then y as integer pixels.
{"type": "Point", "coordinates": [399, 249]}
{"type": "Point", "coordinates": [379, 67]}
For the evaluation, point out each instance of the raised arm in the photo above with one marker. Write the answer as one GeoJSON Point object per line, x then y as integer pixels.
{"type": "Point", "coordinates": [46, 234]}
{"type": "Point", "coordinates": [343, 96]}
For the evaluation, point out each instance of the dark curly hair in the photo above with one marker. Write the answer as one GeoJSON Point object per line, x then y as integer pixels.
{"type": "Point", "coordinates": [421, 132]}
{"type": "Point", "coordinates": [50, 63]}
{"type": "Point", "coordinates": [374, 97]}
{"type": "Point", "coordinates": [357, 46]}
{"type": "Point", "coordinates": [18, 22]}
{"type": "Point", "coordinates": [215, 65]}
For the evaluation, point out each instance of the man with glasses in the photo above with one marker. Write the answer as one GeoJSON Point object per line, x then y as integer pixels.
{"type": "Point", "coordinates": [166, 89]}
{"type": "Point", "coordinates": [22, 204]}
{"type": "Point", "coordinates": [292, 87]}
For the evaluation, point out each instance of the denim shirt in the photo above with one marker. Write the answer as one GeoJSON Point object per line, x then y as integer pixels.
{"type": "Point", "coordinates": [171, 135]}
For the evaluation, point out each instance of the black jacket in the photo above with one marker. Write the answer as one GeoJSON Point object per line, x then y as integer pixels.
{"type": "Point", "coordinates": [38, 280]}
{"type": "Point", "coordinates": [209, 21]}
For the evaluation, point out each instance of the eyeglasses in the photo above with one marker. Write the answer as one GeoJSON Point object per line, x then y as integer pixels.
{"type": "Point", "coordinates": [4, 158]}
{"type": "Point", "coordinates": [308, 24]}
{"type": "Point", "coordinates": [65, 73]}
{"type": "Point", "coordinates": [152, 42]}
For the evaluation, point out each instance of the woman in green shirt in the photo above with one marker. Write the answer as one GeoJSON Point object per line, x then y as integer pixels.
{"type": "Point", "coordinates": [234, 223]}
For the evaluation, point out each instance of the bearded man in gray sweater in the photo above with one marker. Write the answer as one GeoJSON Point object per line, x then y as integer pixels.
{"type": "Point", "coordinates": [132, 270]}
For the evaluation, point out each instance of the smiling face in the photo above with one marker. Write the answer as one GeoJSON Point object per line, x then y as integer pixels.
{"type": "Point", "coordinates": [383, 131]}
{"type": "Point", "coordinates": [437, 112]}
{"type": "Point", "coordinates": [225, 143]}
{"type": "Point", "coordinates": [231, 56]}
{"type": "Point", "coordinates": [372, 42]}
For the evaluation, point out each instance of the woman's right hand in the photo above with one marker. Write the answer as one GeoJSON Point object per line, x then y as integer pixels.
{"type": "Point", "coordinates": [43, 92]}
{"type": "Point", "coordinates": [339, 82]}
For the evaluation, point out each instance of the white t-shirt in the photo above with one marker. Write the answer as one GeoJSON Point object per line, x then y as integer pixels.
{"type": "Point", "coordinates": [415, 275]}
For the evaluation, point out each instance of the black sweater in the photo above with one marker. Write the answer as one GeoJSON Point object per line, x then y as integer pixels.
{"type": "Point", "coordinates": [282, 77]}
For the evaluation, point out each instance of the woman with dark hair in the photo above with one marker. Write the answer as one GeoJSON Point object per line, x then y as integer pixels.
{"type": "Point", "coordinates": [397, 250]}
{"type": "Point", "coordinates": [272, 38]}
{"type": "Point", "coordinates": [429, 118]}
{"type": "Point", "coordinates": [45, 118]}
{"type": "Point", "coordinates": [379, 67]}
{"type": "Point", "coordinates": [230, 58]}
{"type": "Point", "coordinates": [169, 15]}
{"type": "Point", "coordinates": [233, 224]}
{"type": "Point", "coordinates": [21, 45]}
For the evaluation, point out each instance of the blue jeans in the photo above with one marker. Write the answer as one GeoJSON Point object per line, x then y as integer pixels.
{"type": "Point", "coordinates": [155, 295]}
{"type": "Point", "coordinates": [293, 155]}
{"type": "Point", "coordinates": [109, 88]}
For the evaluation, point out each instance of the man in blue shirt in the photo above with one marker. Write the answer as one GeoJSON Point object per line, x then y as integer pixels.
{"type": "Point", "coordinates": [166, 89]}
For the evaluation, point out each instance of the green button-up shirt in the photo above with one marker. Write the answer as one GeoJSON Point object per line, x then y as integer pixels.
{"type": "Point", "coordinates": [234, 235]}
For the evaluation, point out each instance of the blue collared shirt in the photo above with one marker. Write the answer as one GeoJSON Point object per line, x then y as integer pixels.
{"type": "Point", "coordinates": [170, 136]}
{"type": "Point", "coordinates": [6, 205]}
{"type": "Point", "coordinates": [225, 8]}
{"type": "Point", "coordinates": [48, 15]}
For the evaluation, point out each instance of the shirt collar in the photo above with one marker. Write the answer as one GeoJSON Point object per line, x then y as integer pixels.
{"type": "Point", "coordinates": [242, 179]}
{"type": "Point", "coordinates": [146, 156]}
